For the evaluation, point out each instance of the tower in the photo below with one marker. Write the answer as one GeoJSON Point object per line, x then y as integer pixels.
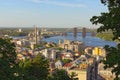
{"type": "Point", "coordinates": [59, 42]}
{"type": "Point", "coordinates": [75, 32]}
{"type": "Point", "coordinates": [84, 32]}
{"type": "Point", "coordinates": [35, 34]}
{"type": "Point", "coordinates": [53, 54]}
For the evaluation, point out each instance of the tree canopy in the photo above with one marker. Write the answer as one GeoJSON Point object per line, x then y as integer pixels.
{"type": "Point", "coordinates": [28, 69]}
{"type": "Point", "coordinates": [8, 65]}
{"type": "Point", "coordinates": [36, 69]}
{"type": "Point", "coordinates": [111, 21]}
{"type": "Point", "coordinates": [61, 75]}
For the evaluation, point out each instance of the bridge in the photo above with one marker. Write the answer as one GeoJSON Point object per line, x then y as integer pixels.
{"type": "Point", "coordinates": [75, 30]}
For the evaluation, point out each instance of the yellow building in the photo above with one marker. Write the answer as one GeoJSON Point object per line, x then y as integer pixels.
{"type": "Point", "coordinates": [99, 51]}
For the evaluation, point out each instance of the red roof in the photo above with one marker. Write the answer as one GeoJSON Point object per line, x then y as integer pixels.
{"type": "Point", "coordinates": [68, 65]}
{"type": "Point", "coordinates": [78, 53]}
{"type": "Point", "coordinates": [62, 55]}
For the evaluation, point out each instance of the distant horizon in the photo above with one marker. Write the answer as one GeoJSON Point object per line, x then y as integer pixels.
{"type": "Point", "coordinates": [47, 27]}
{"type": "Point", "coordinates": [49, 13]}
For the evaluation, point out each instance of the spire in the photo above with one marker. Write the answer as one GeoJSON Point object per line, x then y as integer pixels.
{"type": "Point", "coordinates": [35, 34]}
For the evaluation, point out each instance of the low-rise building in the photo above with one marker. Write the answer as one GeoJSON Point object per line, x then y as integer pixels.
{"type": "Point", "coordinates": [105, 73]}
{"type": "Point", "coordinates": [49, 53]}
{"type": "Point", "coordinates": [59, 64]}
{"type": "Point", "coordinates": [67, 55]}
{"type": "Point", "coordinates": [71, 45]}
{"type": "Point", "coordinates": [99, 51]}
{"type": "Point", "coordinates": [88, 50]}
{"type": "Point", "coordinates": [92, 70]}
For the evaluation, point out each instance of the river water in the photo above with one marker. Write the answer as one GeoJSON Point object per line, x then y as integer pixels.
{"type": "Point", "coordinates": [88, 40]}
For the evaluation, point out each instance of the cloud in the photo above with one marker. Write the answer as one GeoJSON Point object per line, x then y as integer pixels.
{"type": "Point", "coordinates": [57, 3]}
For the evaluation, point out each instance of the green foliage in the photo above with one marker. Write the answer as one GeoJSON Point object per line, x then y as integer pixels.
{"type": "Point", "coordinates": [73, 76]}
{"type": "Point", "coordinates": [66, 61]}
{"type": "Point", "coordinates": [111, 21]}
{"type": "Point", "coordinates": [28, 69]}
{"type": "Point", "coordinates": [27, 47]}
{"type": "Point", "coordinates": [23, 70]}
{"type": "Point", "coordinates": [36, 69]}
{"type": "Point", "coordinates": [42, 44]}
{"type": "Point", "coordinates": [61, 75]}
{"type": "Point", "coordinates": [39, 68]}
{"type": "Point", "coordinates": [113, 59]}
{"type": "Point", "coordinates": [14, 33]}
{"type": "Point", "coordinates": [105, 36]}
{"type": "Point", "coordinates": [18, 34]}
{"type": "Point", "coordinates": [59, 48]}
{"type": "Point", "coordinates": [8, 65]}
{"type": "Point", "coordinates": [37, 46]}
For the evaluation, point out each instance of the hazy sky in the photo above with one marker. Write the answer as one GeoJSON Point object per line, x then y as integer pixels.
{"type": "Point", "coordinates": [49, 13]}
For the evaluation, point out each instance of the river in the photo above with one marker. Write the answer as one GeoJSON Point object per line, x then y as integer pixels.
{"type": "Point", "coordinates": [88, 40]}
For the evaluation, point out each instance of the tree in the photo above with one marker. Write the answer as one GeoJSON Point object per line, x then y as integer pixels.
{"type": "Point", "coordinates": [8, 66]}
{"type": "Point", "coordinates": [39, 68]}
{"type": "Point", "coordinates": [60, 75]}
{"type": "Point", "coordinates": [113, 60]}
{"type": "Point", "coordinates": [73, 76]}
{"type": "Point", "coordinates": [111, 21]}
{"type": "Point", "coordinates": [66, 61]}
{"type": "Point", "coordinates": [36, 69]}
{"type": "Point", "coordinates": [23, 70]}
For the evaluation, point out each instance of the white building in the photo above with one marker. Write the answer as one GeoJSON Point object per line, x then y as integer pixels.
{"type": "Point", "coordinates": [58, 64]}
{"type": "Point", "coordinates": [49, 53]}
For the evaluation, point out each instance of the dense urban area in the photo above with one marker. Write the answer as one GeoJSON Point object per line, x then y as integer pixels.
{"type": "Point", "coordinates": [72, 59]}
{"type": "Point", "coordinates": [77, 53]}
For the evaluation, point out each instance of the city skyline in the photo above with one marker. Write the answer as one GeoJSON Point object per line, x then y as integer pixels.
{"type": "Point", "coordinates": [49, 13]}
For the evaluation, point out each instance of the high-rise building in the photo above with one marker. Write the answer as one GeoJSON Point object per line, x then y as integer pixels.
{"type": "Point", "coordinates": [35, 34]}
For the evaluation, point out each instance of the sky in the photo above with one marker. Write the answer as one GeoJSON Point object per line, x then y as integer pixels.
{"type": "Point", "coordinates": [49, 13]}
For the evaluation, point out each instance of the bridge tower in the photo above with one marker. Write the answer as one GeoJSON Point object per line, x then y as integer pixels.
{"type": "Point", "coordinates": [84, 32]}
{"type": "Point", "coordinates": [75, 32]}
